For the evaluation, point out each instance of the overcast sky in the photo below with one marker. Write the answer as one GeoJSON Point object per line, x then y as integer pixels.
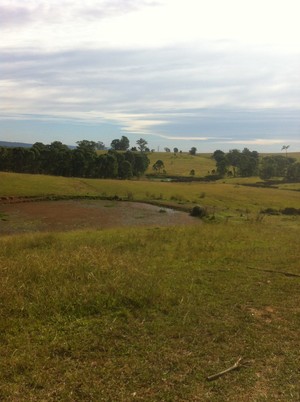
{"type": "Point", "coordinates": [212, 74]}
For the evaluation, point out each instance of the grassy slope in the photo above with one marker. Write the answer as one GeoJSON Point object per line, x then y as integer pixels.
{"type": "Point", "coordinates": [147, 314]}
{"type": "Point", "coordinates": [182, 164]}
{"type": "Point", "coordinates": [229, 197]}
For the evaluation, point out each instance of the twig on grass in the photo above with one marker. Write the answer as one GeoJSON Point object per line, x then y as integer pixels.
{"type": "Point", "coordinates": [272, 271]}
{"type": "Point", "coordinates": [236, 366]}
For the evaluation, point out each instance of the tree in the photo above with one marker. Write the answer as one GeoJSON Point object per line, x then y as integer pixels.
{"type": "Point", "coordinates": [248, 163]}
{"type": "Point", "coordinates": [85, 155]}
{"type": "Point", "coordinates": [106, 166]}
{"type": "Point", "coordinates": [275, 166]}
{"type": "Point", "coordinates": [222, 165]}
{"type": "Point", "coordinates": [100, 146]}
{"type": "Point", "coordinates": [293, 172]}
{"type": "Point", "coordinates": [141, 163]}
{"type": "Point", "coordinates": [218, 155]}
{"type": "Point", "coordinates": [175, 150]}
{"type": "Point", "coordinates": [120, 145]}
{"type": "Point", "coordinates": [193, 151]}
{"type": "Point", "coordinates": [158, 165]}
{"type": "Point", "coordinates": [141, 143]}
{"type": "Point", "coordinates": [285, 147]}
{"type": "Point", "coordinates": [87, 145]}
{"type": "Point", "coordinates": [167, 149]}
{"type": "Point", "coordinates": [233, 158]}
{"type": "Point", "coordinates": [125, 170]}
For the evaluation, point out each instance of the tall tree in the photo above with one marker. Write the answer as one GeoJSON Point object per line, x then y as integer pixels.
{"type": "Point", "coordinates": [141, 143]}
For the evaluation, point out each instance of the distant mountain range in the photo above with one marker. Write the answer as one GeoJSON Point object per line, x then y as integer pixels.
{"type": "Point", "coordinates": [14, 144]}
{"type": "Point", "coordinates": [9, 144]}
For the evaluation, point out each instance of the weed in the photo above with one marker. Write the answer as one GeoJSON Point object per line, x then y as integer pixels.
{"type": "Point", "coordinates": [130, 195]}
{"type": "Point", "coordinates": [199, 211]}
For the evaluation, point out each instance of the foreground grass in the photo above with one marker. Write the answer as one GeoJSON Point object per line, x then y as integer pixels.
{"type": "Point", "coordinates": [147, 314]}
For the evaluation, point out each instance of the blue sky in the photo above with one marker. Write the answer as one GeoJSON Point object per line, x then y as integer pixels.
{"type": "Point", "coordinates": [214, 75]}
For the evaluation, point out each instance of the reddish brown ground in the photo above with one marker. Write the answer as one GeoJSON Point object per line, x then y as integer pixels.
{"type": "Point", "coordinates": [74, 214]}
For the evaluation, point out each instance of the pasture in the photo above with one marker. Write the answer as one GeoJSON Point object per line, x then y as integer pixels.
{"type": "Point", "coordinates": [147, 312]}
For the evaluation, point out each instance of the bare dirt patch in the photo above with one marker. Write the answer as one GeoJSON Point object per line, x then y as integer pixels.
{"type": "Point", "coordinates": [80, 214]}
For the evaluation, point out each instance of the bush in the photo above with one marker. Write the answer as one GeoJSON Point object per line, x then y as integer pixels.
{"type": "Point", "coordinates": [199, 211]}
{"type": "Point", "coordinates": [290, 211]}
{"type": "Point", "coordinates": [270, 211]}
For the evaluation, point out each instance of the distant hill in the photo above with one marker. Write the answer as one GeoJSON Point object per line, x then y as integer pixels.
{"type": "Point", "coordinates": [21, 144]}
{"type": "Point", "coordinates": [14, 144]}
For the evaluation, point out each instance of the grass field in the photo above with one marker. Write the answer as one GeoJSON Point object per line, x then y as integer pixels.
{"type": "Point", "coordinates": [146, 314]}
{"type": "Point", "coordinates": [228, 197]}
{"type": "Point", "coordinates": [181, 164]}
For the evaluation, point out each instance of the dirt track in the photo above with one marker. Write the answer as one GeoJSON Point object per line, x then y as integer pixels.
{"type": "Point", "coordinates": [74, 214]}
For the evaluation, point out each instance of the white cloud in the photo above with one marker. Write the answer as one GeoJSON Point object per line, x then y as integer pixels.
{"type": "Point", "coordinates": [188, 70]}
{"type": "Point", "coordinates": [258, 141]}
{"type": "Point", "coordinates": [67, 24]}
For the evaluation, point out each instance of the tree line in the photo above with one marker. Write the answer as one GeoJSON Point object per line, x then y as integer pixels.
{"type": "Point", "coordinates": [248, 163]}
{"type": "Point", "coordinates": [83, 161]}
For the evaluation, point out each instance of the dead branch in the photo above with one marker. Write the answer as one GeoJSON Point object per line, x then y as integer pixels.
{"type": "Point", "coordinates": [275, 272]}
{"type": "Point", "coordinates": [236, 366]}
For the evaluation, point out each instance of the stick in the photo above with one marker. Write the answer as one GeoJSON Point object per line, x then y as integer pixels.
{"type": "Point", "coordinates": [236, 366]}
{"type": "Point", "coordinates": [274, 272]}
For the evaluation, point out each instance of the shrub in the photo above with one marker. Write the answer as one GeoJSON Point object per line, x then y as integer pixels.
{"type": "Point", "coordinates": [199, 211]}
{"type": "Point", "coordinates": [270, 211]}
{"type": "Point", "coordinates": [290, 211]}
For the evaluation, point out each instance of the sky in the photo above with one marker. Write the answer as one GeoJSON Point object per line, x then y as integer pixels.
{"type": "Point", "coordinates": [210, 74]}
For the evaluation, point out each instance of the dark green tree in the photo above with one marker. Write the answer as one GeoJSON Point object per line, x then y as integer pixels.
{"type": "Point", "coordinates": [158, 165]}
{"type": "Point", "coordinates": [218, 155]}
{"type": "Point", "coordinates": [120, 145]}
{"type": "Point", "coordinates": [125, 170]}
{"type": "Point", "coordinates": [141, 163]}
{"type": "Point", "coordinates": [293, 172]}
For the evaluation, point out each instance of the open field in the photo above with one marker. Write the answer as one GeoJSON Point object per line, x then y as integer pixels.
{"type": "Point", "coordinates": [228, 198]}
{"type": "Point", "coordinates": [147, 313]}
{"type": "Point", "coordinates": [181, 164]}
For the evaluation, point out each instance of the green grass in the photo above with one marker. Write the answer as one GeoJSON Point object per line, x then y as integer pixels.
{"type": "Point", "coordinates": [182, 164]}
{"type": "Point", "coordinates": [148, 314]}
{"type": "Point", "coordinates": [227, 198]}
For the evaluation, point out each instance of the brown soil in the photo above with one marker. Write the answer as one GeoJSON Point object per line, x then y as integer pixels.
{"type": "Point", "coordinates": [75, 214]}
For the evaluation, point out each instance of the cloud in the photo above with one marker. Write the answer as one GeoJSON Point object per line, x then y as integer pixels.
{"type": "Point", "coordinates": [198, 91]}
{"type": "Point", "coordinates": [14, 15]}
{"type": "Point", "coordinates": [113, 8]}
{"type": "Point", "coordinates": [258, 141]}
